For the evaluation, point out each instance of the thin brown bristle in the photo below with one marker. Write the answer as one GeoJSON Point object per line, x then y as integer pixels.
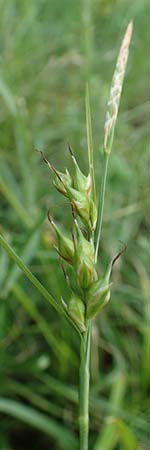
{"type": "Point", "coordinates": [120, 253]}
{"type": "Point", "coordinates": [45, 159]}
{"type": "Point", "coordinates": [73, 212]}
{"type": "Point", "coordinates": [49, 217]}
{"type": "Point", "coordinates": [50, 165]}
{"type": "Point", "coordinates": [62, 267]}
{"type": "Point", "coordinates": [70, 150]}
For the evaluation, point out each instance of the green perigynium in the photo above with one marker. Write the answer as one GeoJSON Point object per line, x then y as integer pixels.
{"type": "Point", "coordinates": [62, 181]}
{"type": "Point", "coordinates": [65, 245]}
{"type": "Point", "coordinates": [98, 295]}
{"type": "Point", "coordinates": [76, 310]}
{"type": "Point", "coordinates": [81, 182]}
{"type": "Point", "coordinates": [84, 258]}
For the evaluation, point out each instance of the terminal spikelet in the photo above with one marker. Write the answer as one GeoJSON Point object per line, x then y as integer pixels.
{"type": "Point", "coordinates": [115, 91]}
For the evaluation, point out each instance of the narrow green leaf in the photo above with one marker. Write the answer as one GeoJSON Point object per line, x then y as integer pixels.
{"type": "Point", "coordinates": [26, 160]}
{"type": "Point", "coordinates": [101, 203]}
{"type": "Point", "coordinates": [3, 267]}
{"type": "Point", "coordinates": [30, 275]}
{"type": "Point", "coordinates": [33, 397]}
{"type": "Point", "coordinates": [145, 354]}
{"type": "Point", "coordinates": [7, 174]}
{"type": "Point", "coordinates": [28, 252]}
{"type": "Point", "coordinates": [69, 392]}
{"type": "Point", "coordinates": [15, 203]}
{"type": "Point", "coordinates": [38, 420]}
{"type": "Point", "coordinates": [8, 97]}
{"type": "Point", "coordinates": [60, 349]}
{"type": "Point", "coordinates": [108, 436]}
{"type": "Point", "coordinates": [127, 437]}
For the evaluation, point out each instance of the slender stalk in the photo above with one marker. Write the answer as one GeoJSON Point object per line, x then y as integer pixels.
{"type": "Point", "coordinates": [90, 141]}
{"type": "Point", "coordinates": [84, 389]}
{"type": "Point", "coordinates": [88, 37]}
{"type": "Point", "coordinates": [101, 203]}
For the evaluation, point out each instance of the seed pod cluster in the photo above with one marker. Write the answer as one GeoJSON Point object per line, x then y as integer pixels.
{"type": "Point", "coordinates": [90, 293]}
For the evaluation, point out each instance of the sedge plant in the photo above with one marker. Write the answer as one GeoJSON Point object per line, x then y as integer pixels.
{"type": "Point", "coordinates": [88, 293]}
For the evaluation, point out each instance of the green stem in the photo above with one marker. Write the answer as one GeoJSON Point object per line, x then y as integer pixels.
{"type": "Point", "coordinates": [84, 389]}
{"type": "Point", "coordinates": [90, 141]}
{"type": "Point", "coordinates": [101, 203]}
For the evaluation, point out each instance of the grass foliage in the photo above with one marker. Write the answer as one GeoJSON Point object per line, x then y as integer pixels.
{"type": "Point", "coordinates": [47, 50]}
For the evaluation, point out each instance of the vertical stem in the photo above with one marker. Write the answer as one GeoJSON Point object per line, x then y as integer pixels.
{"type": "Point", "coordinates": [84, 389]}
{"type": "Point", "coordinates": [101, 203]}
{"type": "Point", "coordinates": [90, 141]}
{"type": "Point", "coordinates": [87, 27]}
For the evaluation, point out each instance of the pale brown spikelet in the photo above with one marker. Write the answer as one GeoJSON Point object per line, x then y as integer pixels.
{"type": "Point", "coordinates": [115, 91]}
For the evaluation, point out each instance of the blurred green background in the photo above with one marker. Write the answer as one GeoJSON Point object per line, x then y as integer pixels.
{"type": "Point", "coordinates": [47, 51]}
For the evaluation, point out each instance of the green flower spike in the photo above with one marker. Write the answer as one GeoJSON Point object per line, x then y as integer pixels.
{"type": "Point", "coordinates": [65, 245]}
{"type": "Point", "coordinates": [84, 257]}
{"type": "Point", "coordinates": [80, 203]}
{"type": "Point", "coordinates": [75, 307]}
{"type": "Point", "coordinates": [98, 294]}
{"type": "Point", "coordinates": [81, 196]}
{"type": "Point", "coordinates": [80, 182]}
{"type": "Point", "coordinates": [83, 206]}
{"type": "Point", "coordinates": [76, 310]}
{"type": "Point", "coordinates": [62, 180]}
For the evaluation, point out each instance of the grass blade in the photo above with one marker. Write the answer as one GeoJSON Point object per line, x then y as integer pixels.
{"type": "Point", "coordinates": [126, 435]}
{"type": "Point", "coordinates": [145, 293]}
{"type": "Point", "coordinates": [108, 436]}
{"type": "Point", "coordinates": [8, 98]}
{"type": "Point", "coordinates": [60, 349]}
{"type": "Point", "coordinates": [38, 420]}
{"type": "Point", "coordinates": [29, 275]}
{"type": "Point", "coordinates": [28, 252]}
{"type": "Point", "coordinates": [101, 205]}
{"type": "Point", "coordinates": [34, 398]}
{"type": "Point", "coordinates": [15, 203]}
